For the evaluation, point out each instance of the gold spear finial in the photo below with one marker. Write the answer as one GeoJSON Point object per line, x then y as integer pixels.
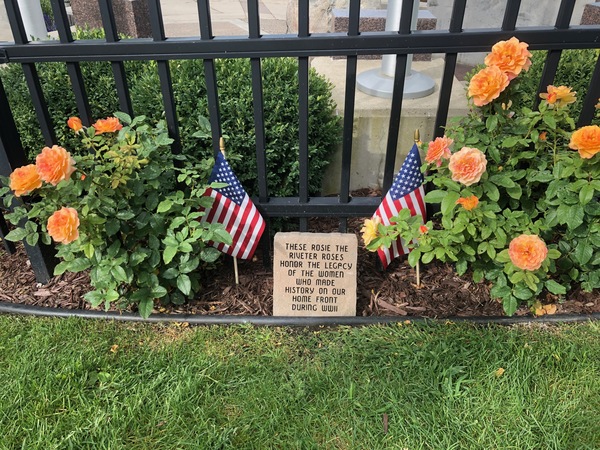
{"type": "Point", "coordinates": [222, 145]}
{"type": "Point", "coordinates": [417, 137]}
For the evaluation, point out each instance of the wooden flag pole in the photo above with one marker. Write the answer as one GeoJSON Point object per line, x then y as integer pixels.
{"type": "Point", "coordinates": [418, 268]}
{"type": "Point", "coordinates": [235, 264]}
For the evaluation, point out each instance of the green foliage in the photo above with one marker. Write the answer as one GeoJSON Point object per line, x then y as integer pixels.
{"type": "Point", "coordinates": [532, 184]}
{"type": "Point", "coordinates": [139, 231]}
{"type": "Point", "coordinates": [280, 80]}
{"type": "Point", "coordinates": [56, 86]}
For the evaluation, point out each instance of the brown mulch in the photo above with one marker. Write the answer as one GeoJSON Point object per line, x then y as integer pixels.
{"type": "Point", "coordinates": [391, 293]}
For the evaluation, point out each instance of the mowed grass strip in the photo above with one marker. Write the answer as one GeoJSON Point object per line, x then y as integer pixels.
{"type": "Point", "coordinates": [76, 384]}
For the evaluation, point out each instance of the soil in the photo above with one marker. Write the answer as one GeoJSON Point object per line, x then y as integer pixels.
{"type": "Point", "coordinates": [442, 292]}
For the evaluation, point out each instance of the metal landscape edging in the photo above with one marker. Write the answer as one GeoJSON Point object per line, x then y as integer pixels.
{"type": "Point", "coordinates": [195, 319]}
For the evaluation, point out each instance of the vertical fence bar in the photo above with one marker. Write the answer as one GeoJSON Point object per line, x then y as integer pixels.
{"type": "Point", "coordinates": [31, 75]}
{"type": "Point", "coordinates": [73, 68]}
{"type": "Point", "coordinates": [210, 75]}
{"type": "Point", "coordinates": [12, 155]}
{"type": "Point", "coordinates": [164, 75]}
{"type": "Point", "coordinates": [259, 125]}
{"type": "Point", "coordinates": [563, 19]}
{"type": "Point", "coordinates": [511, 13]}
{"type": "Point", "coordinates": [118, 68]}
{"type": "Point", "coordinates": [398, 91]}
{"type": "Point", "coordinates": [456, 24]}
{"type": "Point", "coordinates": [303, 26]}
{"type": "Point", "coordinates": [349, 103]}
{"type": "Point", "coordinates": [591, 98]}
{"type": "Point", "coordinates": [258, 104]}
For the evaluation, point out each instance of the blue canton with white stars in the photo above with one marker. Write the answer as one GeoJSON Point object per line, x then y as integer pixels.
{"type": "Point", "coordinates": [409, 177]}
{"type": "Point", "coordinates": [222, 173]}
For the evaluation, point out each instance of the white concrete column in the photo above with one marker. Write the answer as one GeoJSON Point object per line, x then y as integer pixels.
{"type": "Point", "coordinates": [33, 19]}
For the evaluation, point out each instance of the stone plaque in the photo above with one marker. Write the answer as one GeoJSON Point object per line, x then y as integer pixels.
{"type": "Point", "coordinates": [314, 274]}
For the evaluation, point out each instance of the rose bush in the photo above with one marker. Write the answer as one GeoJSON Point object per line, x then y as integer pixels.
{"type": "Point", "coordinates": [518, 205]}
{"type": "Point", "coordinates": [124, 207]}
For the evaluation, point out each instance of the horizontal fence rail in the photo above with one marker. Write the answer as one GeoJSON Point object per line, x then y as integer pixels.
{"type": "Point", "coordinates": [256, 47]}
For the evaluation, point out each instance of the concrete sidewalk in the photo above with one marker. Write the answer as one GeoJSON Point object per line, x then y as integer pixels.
{"type": "Point", "coordinates": [229, 17]}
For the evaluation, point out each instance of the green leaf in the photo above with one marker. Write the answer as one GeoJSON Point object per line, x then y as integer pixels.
{"type": "Point", "coordinates": [550, 121]}
{"type": "Point", "coordinates": [170, 273]}
{"type": "Point", "coordinates": [492, 191]}
{"type": "Point", "coordinates": [515, 192]}
{"type": "Point", "coordinates": [583, 253]}
{"type": "Point", "coordinates": [502, 180]}
{"type": "Point", "coordinates": [119, 274]}
{"type": "Point", "coordinates": [79, 264]}
{"type": "Point", "coordinates": [509, 304]}
{"type": "Point", "coordinates": [88, 250]}
{"type": "Point", "coordinates": [184, 284]}
{"type": "Point", "coordinates": [435, 196]}
{"type": "Point", "coordinates": [413, 257]}
{"type": "Point", "coordinates": [575, 216]}
{"type": "Point", "coordinates": [586, 194]}
{"type": "Point", "coordinates": [145, 307]}
{"type": "Point", "coordinates": [164, 206]}
{"type": "Point", "coordinates": [555, 288]}
{"type": "Point", "coordinates": [522, 292]}
{"type": "Point", "coordinates": [500, 291]}
{"type": "Point", "coordinates": [112, 227]}
{"type": "Point", "coordinates": [449, 202]}
{"type": "Point", "coordinates": [125, 215]}
{"type": "Point", "coordinates": [61, 268]}
{"type": "Point", "coordinates": [169, 253]}
{"type": "Point", "coordinates": [491, 123]}
{"type": "Point", "coordinates": [158, 292]}
{"type": "Point", "coordinates": [210, 254]}
{"type": "Point", "coordinates": [123, 117]}
{"type": "Point", "coordinates": [221, 235]}
{"type": "Point", "coordinates": [18, 234]}
{"type": "Point", "coordinates": [553, 253]}
{"type": "Point", "coordinates": [461, 267]}
{"type": "Point", "coordinates": [503, 257]}
{"type": "Point", "coordinates": [95, 298]}
{"type": "Point", "coordinates": [32, 239]}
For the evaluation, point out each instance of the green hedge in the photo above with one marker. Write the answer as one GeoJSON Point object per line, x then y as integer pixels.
{"type": "Point", "coordinates": [280, 81]}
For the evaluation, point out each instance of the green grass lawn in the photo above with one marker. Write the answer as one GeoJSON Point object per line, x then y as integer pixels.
{"type": "Point", "coordinates": [76, 384]}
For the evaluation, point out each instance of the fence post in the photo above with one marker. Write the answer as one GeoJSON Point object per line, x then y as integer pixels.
{"type": "Point", "coordinates": [12, 156]}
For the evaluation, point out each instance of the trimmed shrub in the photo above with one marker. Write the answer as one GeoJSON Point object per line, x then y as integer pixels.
{"type": "Point", "coordinates": [280, 81]}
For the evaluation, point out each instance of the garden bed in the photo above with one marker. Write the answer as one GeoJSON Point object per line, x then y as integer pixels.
{"type": "Point", "coordinates": [391, 293]}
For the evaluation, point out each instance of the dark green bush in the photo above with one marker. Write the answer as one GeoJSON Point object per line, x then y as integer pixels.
{"type": "Point", "coordinates": [280, 81]}
{"type": "Point", "coordinates": [56, 85]}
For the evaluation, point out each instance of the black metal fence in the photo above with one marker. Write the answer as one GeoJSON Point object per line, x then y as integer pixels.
{"type": "Point", "coordinates": [255, 46]}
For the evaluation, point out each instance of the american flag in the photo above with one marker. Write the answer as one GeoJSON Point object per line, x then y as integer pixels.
{"type": "Point", "coordinates": [406, 192]}
{"type": "Point", "coordinates": [233, 208]}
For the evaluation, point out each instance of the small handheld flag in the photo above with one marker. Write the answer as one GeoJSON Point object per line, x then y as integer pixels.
{"type": "Point", "coordinates": [406, 192]}
{"type": "Point", "coordinates": [234, 209]}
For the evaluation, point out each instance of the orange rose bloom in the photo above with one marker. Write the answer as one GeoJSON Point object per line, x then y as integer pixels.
{"type": "Point", "coordinates": [468, 203]}
{"type": "Point", "coordinates": [423, 229]}
{"type": "Point", "coordinates": [559, 96]}
{"type": "Point", "coordinates": [74, 123]}
{"type": "Point", "coordinates": [511, 57]}
{"type": "Point", "coordinates": [108, 125]}
{"type": "Point", "coordinates": [487, 84]}
{"type": "Point", "coordinates": [586, 141]}
{"type": "Point", "coordinates": [527, 252]}
{"type": "Point", "coordinates": [438, 149]}
{"type": "Point", "coordinates": [25, 179]}
{"type": "Point", "coordinates": [63, 225]}
{"type": "Point", "coordinates": [54, 164]}
{"type": "Point", "coordinates": [467, 165]}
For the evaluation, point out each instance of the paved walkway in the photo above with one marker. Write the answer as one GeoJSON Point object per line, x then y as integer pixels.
{"type": "Point", "coordinates": [229, 17]}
